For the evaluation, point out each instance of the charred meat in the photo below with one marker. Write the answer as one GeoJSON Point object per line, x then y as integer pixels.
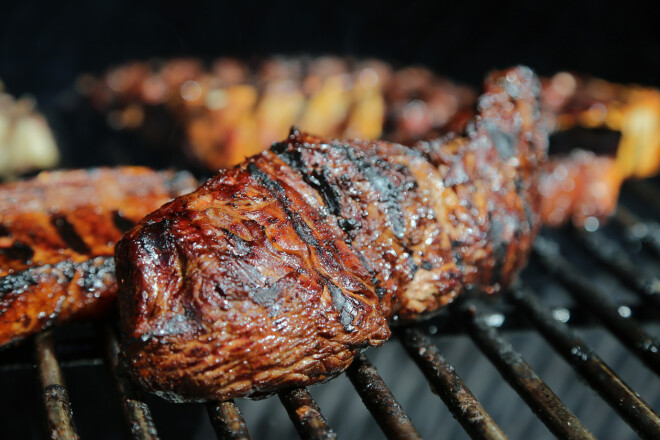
{"type": "Point", "coordinates": [275, 273]}
{"type": "Point", "coordinates": [57, 237]}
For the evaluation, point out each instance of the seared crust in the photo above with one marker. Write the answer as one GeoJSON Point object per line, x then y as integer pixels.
{"type": "Point", "coordinates": [57, 237]}
{"type": "Point", "coordinates": [276, 272]}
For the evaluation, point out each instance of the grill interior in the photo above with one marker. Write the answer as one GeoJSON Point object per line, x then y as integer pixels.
{"type": "Point", "coordinates": [525, 365]}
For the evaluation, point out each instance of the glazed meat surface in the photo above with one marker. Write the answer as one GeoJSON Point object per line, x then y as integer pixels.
{"type": "Point", "coordinates": [581, 187]}
{"type": "Point", "coordinates": [57, 237]}
{"type": "Point", "coordinates": [275, 273]}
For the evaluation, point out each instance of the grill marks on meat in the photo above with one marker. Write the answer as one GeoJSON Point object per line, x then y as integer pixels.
{"type": "Point", "coordinates": [57, 237]}
{"type": "Point", "coordinates": [277, 272]}
{"type": "Point", "coordinates": [242, 286]}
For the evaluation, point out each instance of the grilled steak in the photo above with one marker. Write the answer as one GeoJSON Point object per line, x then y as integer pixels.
{"type": "Point", "coordinates": [275, 273]}
{"type": "Point", "coordinates": [57, 237]}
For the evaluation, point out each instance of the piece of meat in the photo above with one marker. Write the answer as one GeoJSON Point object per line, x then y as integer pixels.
{"type": "Point", "coordinates": [275, 273]}
{"type": "Point", "coordinates": [239, 111]}
{"type": "Point", "coordinates": [634, 111]}
{"type": "Point", "coordinates": [233, 109]}
{"type": "Point", "coordinates": [57, 237]}
{"type": "Point", "coordinates": [581, 187]}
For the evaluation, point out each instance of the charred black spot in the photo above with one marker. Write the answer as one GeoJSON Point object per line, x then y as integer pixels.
{"type": "Point", "coordinates": [518, 182]}
{"type": "Point", "coordinates": [299, 225]}
{"type": "Point", "coordinates": [279, 147]}
{"type": "Point", "coordinates": [121, 223]}
{"type": "Point", "coordinates": [4, 232]}
{"type": "Point", "coordinates": [18, 251]}
{"type": "Point", "coordinates": [344, 306]}
{"type": "Point", "coordinates": [320, 181]}
{"type": "Point", "coordinates": [413, 269]}
{"type": "Point", "coordinates": [349, 224]}
{"type": "Point", "coordinates": [376, 172]}
{"type": "Point", "coordinates": [292, 157]}
{"type": "Point", "coordinates": [69, 234]}
{"type": "Point", "coordinates": [495, 236]}
{"type": "Point", "coordinates": [241, 247]}
{"type": "Point", "coordinates": [157, 242]}
{"type": "Point", "coordinates": [504, 142]}
{"type": "Point", "coordinates": [529, 213]}
{"type": "Point", "coordinates": [427, 265]}
{"type": "Point", "coordinates": [95, 274]}
{"type": "Point", "coordinates": [266, 181]}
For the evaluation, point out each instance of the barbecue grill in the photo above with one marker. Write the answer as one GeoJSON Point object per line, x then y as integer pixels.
{"type": "Point", "coordinates": [524, 365]}
{"type": "Point", "coordinates": [581, 289]}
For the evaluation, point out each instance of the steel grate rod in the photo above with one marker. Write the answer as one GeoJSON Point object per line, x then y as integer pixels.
{"type": "Point", "coordinates": [612, 256]}
{"type": "Point", "coordinates": [380, 401]}
{"type": "Point", "coordinates": [306, 415]}
{"type": "Point", "coordinates": [647, 233]}
{"type": "Point", "coordinates": [593, 370]}
{"type": "Point", "coordinates": [511, 365]}
{"type": "Point", "coordinates": [136, 413]}
{"type": "Point", "coordinates": [628, 331]}
{"type": "Point", "coordinates": [227, 420]}
{"type": "Point", "coordinates": [56, 399]}
{"type": "Point", "coordinates": [451, 389]}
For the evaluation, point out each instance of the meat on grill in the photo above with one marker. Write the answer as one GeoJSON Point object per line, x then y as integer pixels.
{"type": "Point", "coordinates": [235, 109]}
{"type": "Point", "coordinates": [275, 273]}
{"type": "Point", "coordinates": [57, 237]}
{"type": "Point", "coordinates": [580, 186]}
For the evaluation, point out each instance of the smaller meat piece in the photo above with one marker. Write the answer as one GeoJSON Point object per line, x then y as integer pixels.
{"type": "Point", "coordinates": [57, 237]}
{"type": "Point", "coordinates": [581, 187]}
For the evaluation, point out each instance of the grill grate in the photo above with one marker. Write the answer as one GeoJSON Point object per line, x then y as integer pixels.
{"type": "Point", "coordinates": [520, 309]}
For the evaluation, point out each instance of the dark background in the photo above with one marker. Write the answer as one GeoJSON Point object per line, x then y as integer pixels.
{"type": "Point", "coordinates": [45, 45]}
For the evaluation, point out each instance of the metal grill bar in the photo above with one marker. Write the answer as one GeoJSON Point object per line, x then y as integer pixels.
{"type": "Point", "coordinates": [628, 331]}
{"type": "Point", "coordinates": [646, 232]}
{"type": "Point", "coordinates": [306, 415]}
{"type": "Point", "coordinates": [227, 420]}
{"type": "Point", "coordinates": [610, 254]}
{"type": "Point", "coordinates": [598, 375]}
{"type": "Point", "coordinates": [136, 413]}
{"type": "Point", "coordinates": [511, 365]}
{"type": "Point", "coordinates": [56, 399]}
{"type": "Point", "coordinates": [379, 400]}
{"type": "Point", "coordinates": [449, 386]}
